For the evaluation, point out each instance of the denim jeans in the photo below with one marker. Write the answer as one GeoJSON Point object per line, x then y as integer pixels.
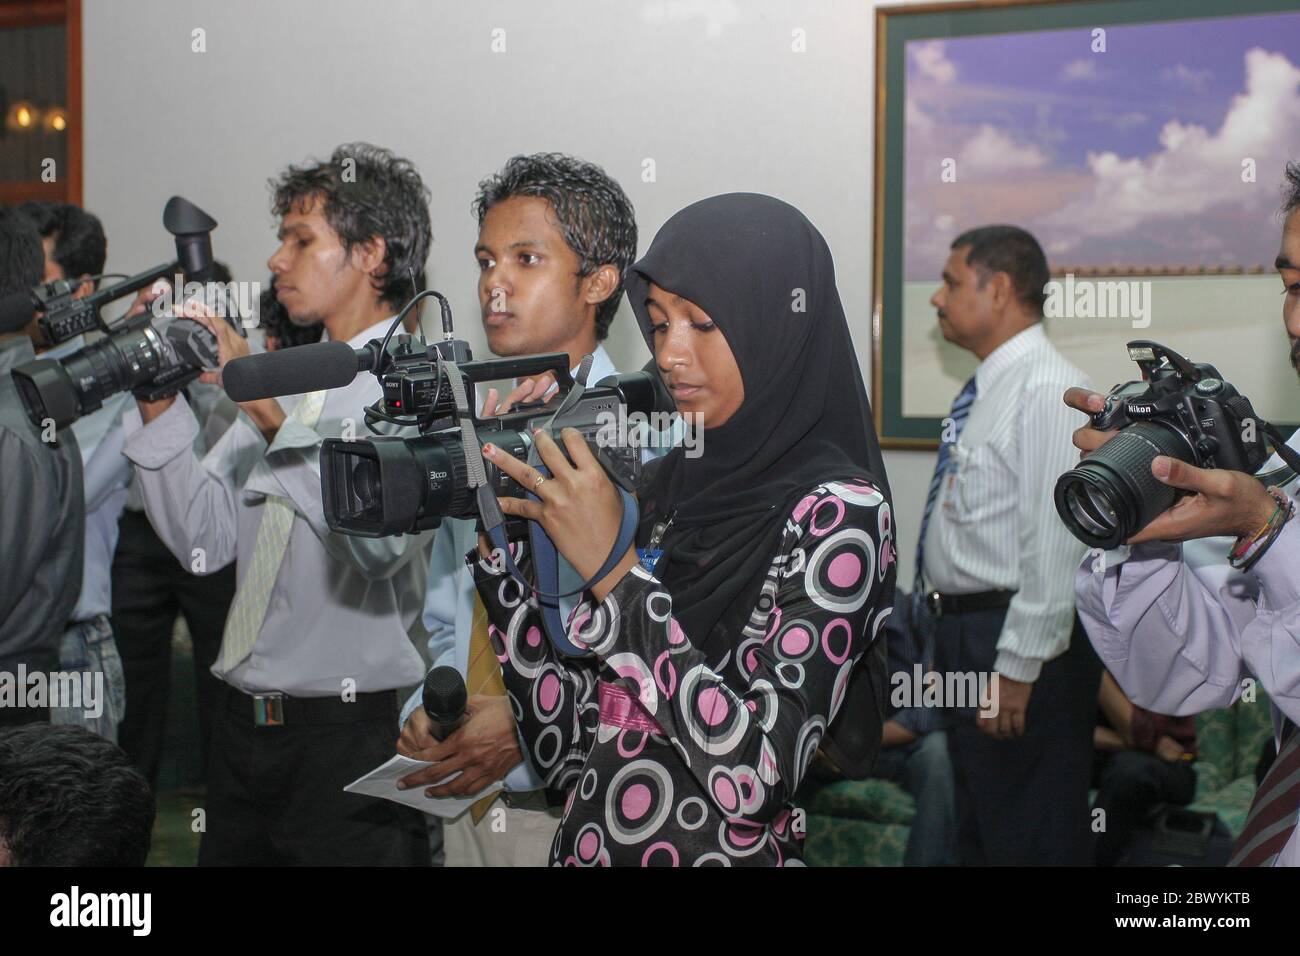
{"type": "Point", "coordinates": [924, 770]}
{"type": "Point", "coordinates": [88, 648]}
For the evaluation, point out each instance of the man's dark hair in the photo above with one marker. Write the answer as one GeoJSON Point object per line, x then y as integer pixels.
{"type": "Point", "coordinates": [596, 217]}
{"type": "Point", "coordinates": [274, 320]}
{"type": "Point", "coordinates": [79, 244]}
{"type": "Point", "coordinates": [1292, 188]}
{"type": "Point", "coordinates": [1011, 250]}
{"type": "Point", "coordinates": [22, 259]}
{"type": "Point", "coordinates": [71, 798]}
{"type": "Point", "coordinates": [366, 192]}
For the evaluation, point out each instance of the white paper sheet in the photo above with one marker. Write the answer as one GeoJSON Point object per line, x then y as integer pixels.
{"type": "Point", "coordinates": [382, 782]}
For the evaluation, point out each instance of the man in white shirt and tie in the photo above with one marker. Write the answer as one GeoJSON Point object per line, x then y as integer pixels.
{"type": "Point", "coordinates": [316, 643]}
{"type": "Point", "coordinates": [995, 566]}
{"type": "Point", "coordinates": [555, 235]}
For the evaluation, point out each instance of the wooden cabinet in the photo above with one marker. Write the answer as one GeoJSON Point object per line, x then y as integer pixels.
{"type": "Point", "coordinates": [40, 100]}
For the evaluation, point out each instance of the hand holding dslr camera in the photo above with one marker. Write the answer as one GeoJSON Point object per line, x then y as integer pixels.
{"type": "Point", "coordinates": [1170, 457]}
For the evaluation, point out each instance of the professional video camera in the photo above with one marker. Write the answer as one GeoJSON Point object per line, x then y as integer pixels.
{"type": "Point", "coordinates": [389, 485]}
{"type": "Point", "coordinates": [1180, 409]}
{"type": "Point", "coordinates": [152, 359]}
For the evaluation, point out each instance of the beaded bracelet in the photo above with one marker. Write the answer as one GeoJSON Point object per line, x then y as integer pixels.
{"type": "Point", "coordinates": [1248, 551]}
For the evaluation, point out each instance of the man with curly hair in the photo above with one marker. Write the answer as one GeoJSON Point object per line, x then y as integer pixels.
{"type": "Point", "coordinates": [555, 236]}
{"type": "Point", "coordinates": [315, 645]}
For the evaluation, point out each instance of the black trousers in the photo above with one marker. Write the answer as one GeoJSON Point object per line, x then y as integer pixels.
{"type": "Point", "coordinates": [275, 794]}
{"type": "Point", "coordinates": [1023, 801]}
{"type": "Point", "coordinates": [150, 587]}
{"type": "Point", "coordinates": [1130, 784]}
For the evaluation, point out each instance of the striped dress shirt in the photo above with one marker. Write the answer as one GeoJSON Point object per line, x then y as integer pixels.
{"type": "Point", "coordinates": [994, 524]}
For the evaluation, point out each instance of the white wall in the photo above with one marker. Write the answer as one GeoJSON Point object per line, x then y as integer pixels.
{"type": "Point", "coordinates": [711, 90]}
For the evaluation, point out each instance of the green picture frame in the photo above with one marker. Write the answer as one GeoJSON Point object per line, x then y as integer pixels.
{"type": "Point", "coordinates": [895, 27]}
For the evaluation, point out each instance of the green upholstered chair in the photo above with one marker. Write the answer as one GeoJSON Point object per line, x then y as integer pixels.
{"type": "Point", "coordinates": [866, 822]}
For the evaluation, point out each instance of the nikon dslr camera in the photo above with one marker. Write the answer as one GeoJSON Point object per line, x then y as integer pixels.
{"type": "Point", "coordinates": [1180, 409]}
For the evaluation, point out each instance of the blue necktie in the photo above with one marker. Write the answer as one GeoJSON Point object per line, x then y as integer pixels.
{"type": "Point", "coordinates": [960, 412]}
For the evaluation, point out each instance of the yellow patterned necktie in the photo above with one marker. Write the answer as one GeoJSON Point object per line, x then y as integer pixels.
{"type": "Point", "coordinates": [484, 677]}
{"type": "Point", "coordinates": [248, 610]}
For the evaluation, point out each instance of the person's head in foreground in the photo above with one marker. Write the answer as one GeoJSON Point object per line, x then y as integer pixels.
{"type": "Point", "coordinates": [70, 798]}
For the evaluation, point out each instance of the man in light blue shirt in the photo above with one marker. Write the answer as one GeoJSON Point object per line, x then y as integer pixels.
{"type": "Point", "coordinates": [75, 247]}
{"type": "Point", "coordinates": [555, 235]}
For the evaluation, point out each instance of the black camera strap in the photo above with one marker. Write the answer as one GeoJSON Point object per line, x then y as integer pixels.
{"type": "Point", "coordinates": [1284, 451]}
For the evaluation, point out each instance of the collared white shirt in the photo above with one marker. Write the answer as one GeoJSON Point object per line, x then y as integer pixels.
{"type": "Point", "coordinates": [341, 606]}
{"type": "Point", "coordinates": [994, 524]}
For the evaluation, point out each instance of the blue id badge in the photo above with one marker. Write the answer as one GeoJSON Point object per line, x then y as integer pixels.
{"type": "Point", "coordinates": [649, 557]}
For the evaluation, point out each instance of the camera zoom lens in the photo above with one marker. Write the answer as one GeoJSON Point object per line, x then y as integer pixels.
{"type": "Point", "coordinates": [1090, 508]}
{"type": "Point", "coordinates": [1112, 494]}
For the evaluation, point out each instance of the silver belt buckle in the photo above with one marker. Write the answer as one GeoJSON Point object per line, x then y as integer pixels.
{"type": "Point", "coordinates": [268, 710]}
{"type": "Point", "coordinates": [934, 603]}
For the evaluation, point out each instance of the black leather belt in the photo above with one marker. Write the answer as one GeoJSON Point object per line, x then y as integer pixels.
{"type": "Point", "coordinates": [940, 604]}
{"type": "Point", "coordinates": [540, 800]}
{"type": "Point", "coordinates": [275, 710]}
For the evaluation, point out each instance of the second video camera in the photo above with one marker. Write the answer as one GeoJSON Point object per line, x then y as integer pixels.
{"type": "Point", "coordinates": [152, 359]}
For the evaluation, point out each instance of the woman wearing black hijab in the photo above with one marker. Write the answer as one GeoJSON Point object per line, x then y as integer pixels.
{"type": "Point", "coordinates": [715, 675]}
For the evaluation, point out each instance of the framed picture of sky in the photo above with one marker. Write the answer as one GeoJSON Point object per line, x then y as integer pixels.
{"type": "Point", "coordinates": [1142, 142]}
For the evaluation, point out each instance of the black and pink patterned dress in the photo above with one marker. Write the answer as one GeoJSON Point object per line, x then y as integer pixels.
{"type": "Point", "coordinates": [671, 759]}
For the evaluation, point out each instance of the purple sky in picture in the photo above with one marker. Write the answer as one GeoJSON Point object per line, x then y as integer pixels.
{"type": "Point", "coordinates": [1132, 156]}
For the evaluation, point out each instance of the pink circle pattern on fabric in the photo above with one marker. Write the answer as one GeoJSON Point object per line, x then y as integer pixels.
{"type": "Point", "coordinates": [739, 733]}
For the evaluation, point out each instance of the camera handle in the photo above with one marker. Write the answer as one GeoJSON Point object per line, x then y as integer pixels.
{"type": "Point", "coordinates": [546, 561]}
{"type": "Point", "coordinates": [545, 555]}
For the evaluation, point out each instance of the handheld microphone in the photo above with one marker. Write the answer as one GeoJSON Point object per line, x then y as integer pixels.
{"type": "Point", "coordinates": [444, 701]}
{"type": "Point", "coordinates": [293, 371]}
